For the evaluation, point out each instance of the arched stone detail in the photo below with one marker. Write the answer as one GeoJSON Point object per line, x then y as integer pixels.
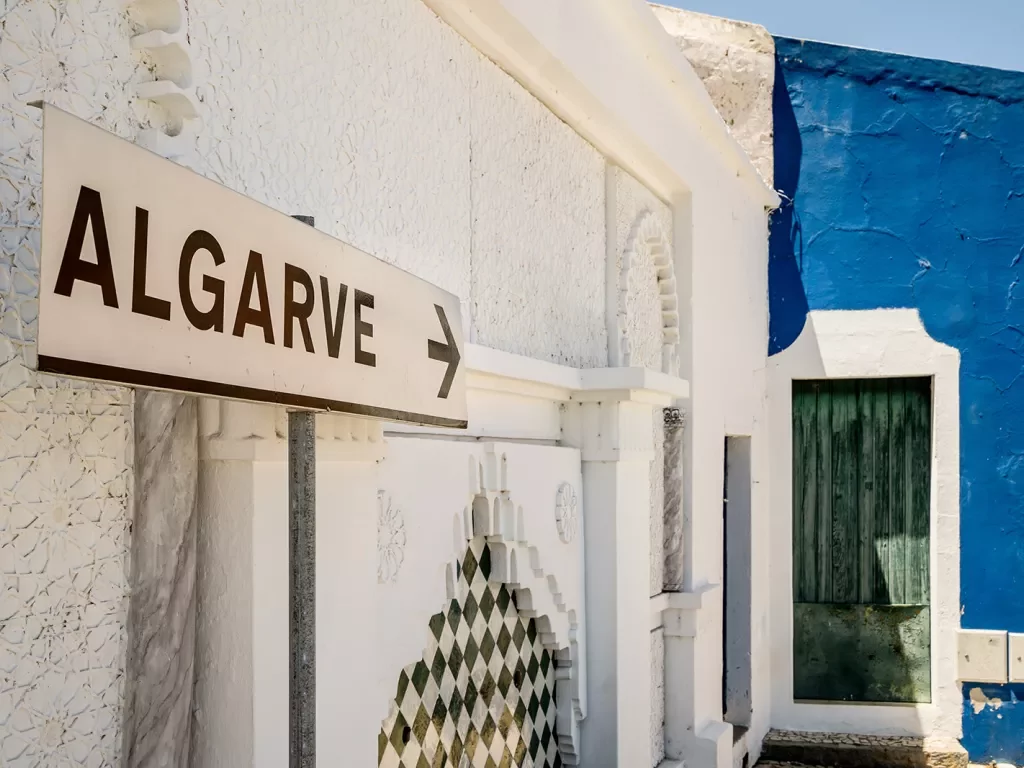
{"type": "Point", "coordinates": [491, 515]}
{"type": "Point", "coordinates": [648, 248]}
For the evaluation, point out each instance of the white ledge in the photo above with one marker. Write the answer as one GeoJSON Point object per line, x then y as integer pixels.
{"type": "Point", "coordinates": [679, 602]}
{"type": "Point", "coordinates": [516, 370]}
{"type": "Point", "coordinates": [485, 365]}
{"type": "Point", "coordinates": [595, 381]}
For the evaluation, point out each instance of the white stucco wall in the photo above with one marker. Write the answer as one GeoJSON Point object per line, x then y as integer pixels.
{"type": "Point", "coordinates": [65, 449]}
{"type": "Point", "coordinates": [377, 119]}
{"type": "Point", "coordinates": [729, 329]}
{"type": "Point", "coordinates": [721, 264]}
{"type": "Point", "coordinates": [381, 122]}
{"type": "Point", "coordinates": [390, 129]}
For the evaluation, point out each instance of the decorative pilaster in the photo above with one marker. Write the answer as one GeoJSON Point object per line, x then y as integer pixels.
{"type": "Point", "coordinates": [242, 633]}
{"type": "Point", "coordinates": [611, 421]}
{"type": "Point", "coordinates": [675, 422]}
{"type": "Point", "coordinates": [162, 607]}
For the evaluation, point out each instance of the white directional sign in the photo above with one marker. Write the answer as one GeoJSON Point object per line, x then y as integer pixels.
{"type": "Point", "coordinates": [154, 276]}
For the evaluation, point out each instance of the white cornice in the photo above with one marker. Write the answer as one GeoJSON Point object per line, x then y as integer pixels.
{"type": "Point", "coordinates": [610, 70]}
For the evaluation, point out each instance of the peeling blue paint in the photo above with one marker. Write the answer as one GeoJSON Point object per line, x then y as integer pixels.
{"type": "Point", "coordinates": [994, 723]}
{"type": "Point", "coordinates": [903, 186]}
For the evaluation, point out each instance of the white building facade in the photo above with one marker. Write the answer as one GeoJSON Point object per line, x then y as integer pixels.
{"type": "Point", "coordinates": [546, 586]}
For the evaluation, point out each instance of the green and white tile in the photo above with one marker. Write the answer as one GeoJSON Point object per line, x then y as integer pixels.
{"type": "Point", "coordinates": [483, 695]}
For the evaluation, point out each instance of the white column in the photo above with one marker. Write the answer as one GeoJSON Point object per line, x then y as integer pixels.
{"type": "Point", "coordinates": [348, 450]}
{"type": "Point", "coordinates": [242, 628]}
{"type": "Point", "coordinates": [611, 422]}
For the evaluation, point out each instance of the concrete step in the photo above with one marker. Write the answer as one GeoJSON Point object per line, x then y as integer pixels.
{"type": "Point", "coordinates": [843, 750]}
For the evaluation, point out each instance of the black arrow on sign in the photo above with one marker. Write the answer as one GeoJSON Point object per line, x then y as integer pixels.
{"type": "Point", "coordinates": [445, 353]}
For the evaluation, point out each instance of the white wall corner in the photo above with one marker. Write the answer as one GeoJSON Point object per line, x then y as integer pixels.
{"type": "Point", "coordinates": [982, 655]}
{"type": "Point", "coordinates": [1016, 642]}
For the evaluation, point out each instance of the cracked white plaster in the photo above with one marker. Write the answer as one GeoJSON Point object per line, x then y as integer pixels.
{"type": "Point", "coordinates": [65, 447]}
{"type": "Point", "coordinates": [413, 147]}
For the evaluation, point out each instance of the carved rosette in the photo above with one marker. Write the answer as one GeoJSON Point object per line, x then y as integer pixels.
{"type": "Point", "coordinates": [391, 539]}
{"type": "Point", "coordinates": [566, 513]}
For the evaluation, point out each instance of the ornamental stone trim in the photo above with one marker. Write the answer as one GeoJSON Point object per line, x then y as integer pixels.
{"type": "Point", "coordinates": [566, 513]}
{"type": "Point", "coordinates": [391, 539]}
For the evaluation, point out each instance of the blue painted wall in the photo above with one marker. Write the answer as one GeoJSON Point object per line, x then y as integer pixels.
{"type": "Point", "coordinates": [904, 182]}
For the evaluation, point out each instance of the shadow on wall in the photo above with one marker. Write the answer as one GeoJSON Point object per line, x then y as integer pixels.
{"type": "Point", "coordinates": [787, 302]}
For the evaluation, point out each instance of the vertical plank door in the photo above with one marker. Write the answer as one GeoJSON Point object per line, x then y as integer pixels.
{"type": "Point", "coordinates": [861, 533]}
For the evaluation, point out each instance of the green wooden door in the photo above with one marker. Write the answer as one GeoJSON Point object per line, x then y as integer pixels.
{"type": "Point", "coordinates": [861, 490]}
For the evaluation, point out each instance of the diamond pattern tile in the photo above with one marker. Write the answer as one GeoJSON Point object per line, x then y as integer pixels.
{"type": "Point", "coordinates": [483, 695]}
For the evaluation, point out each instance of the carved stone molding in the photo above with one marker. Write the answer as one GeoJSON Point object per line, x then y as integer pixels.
{"type": "Point", "coordinates": [164, 40]}
{"type": "Point", "coordinates": [674, 574]}
{"type": "Point", "coordinates": [649, 248]}
{"type": "Point", "coordinates": [391, 539]}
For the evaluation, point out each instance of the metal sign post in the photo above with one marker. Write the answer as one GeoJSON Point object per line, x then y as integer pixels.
{"type": "Point", "coordinates": [302, 585]}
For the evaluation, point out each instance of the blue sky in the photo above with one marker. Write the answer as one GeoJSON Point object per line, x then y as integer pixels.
{"type": "Point", "coordinates": [988, 32]}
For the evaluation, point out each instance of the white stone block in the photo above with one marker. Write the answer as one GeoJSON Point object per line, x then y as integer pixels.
{"type": "Point", "coordinates": [1016, 641]}
{"type": "Point", "coordinates": [981, 656]}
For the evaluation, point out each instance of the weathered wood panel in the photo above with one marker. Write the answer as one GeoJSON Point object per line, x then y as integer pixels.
{"type": "Point", "coordinates": [861, 498]}
{"type": "Point", "coordinates": [805, 484]}
{"type": "Point", "coordinates": [918, 505]}
{"type": "Point", "coordinates": [862, 653]}
{"type": "Point", "coordinates": [823, 513]}
{"type": "Point", "coordinates": [845, 461]}
{"type": "Point", "coordinates": [861, 491]}
{"type": "Point", "coordinates": [896, 572]}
